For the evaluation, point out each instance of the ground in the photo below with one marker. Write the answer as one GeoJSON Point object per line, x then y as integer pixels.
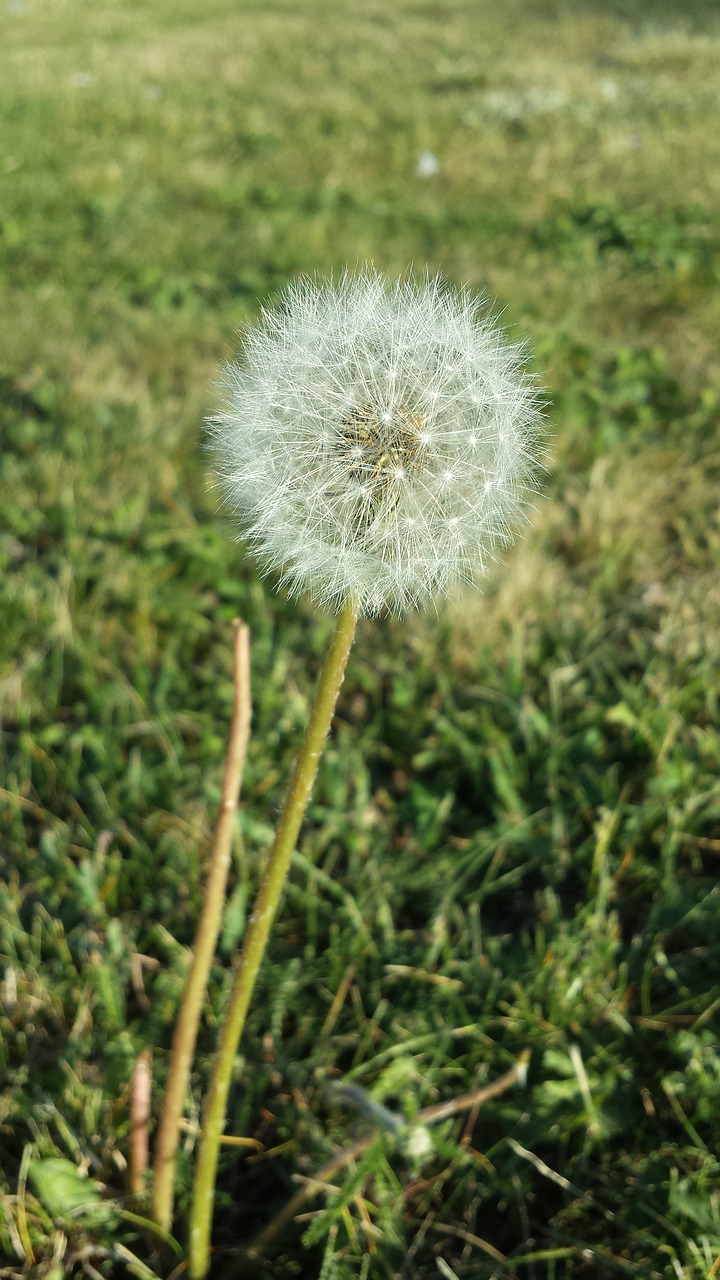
{"type": "Point", "coordinates": [513, 844]}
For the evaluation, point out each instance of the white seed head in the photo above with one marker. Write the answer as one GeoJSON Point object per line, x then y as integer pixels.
{"type": "Point", "coordinates": [379, 440]}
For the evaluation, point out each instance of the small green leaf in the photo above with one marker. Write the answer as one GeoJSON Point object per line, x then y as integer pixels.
{"type": "Point", "coordinates": [61, 1188]}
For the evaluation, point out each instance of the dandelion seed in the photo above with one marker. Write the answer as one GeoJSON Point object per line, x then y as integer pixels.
{"type": "Point", "coordinates": [368, 420]}
{"type": "Point", "coordinates": [427, 165]}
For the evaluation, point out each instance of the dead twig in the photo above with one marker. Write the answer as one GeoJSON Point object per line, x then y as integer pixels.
{"type": "Point", "coordinates": [206, 936]}
{"type": "Point", "coordinates": [429, 1115]}
{"type": "Point", "coordinates": [140, 1093]}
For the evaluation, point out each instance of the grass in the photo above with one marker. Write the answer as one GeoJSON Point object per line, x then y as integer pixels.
{"type": "Point", "coordinates": [514, 839]}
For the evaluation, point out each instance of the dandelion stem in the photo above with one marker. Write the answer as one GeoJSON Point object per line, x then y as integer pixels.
{"type": "Point", "coordinates": [266, 905]}
{"type": "Point", "coordinates": [208, 928]}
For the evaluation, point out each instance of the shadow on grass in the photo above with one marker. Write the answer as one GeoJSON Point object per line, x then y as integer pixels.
{"type": "Point", "coordinates": [701, 15]}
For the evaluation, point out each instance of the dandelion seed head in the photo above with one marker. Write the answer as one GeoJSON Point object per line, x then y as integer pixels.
{"type": "Point", "coordinates": [379, 440]}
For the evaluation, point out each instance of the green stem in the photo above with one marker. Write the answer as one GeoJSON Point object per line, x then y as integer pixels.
{"type": "Point", "coordinates": [266, 905]}
{"type": "Point", "coordinates": [186, 1027]}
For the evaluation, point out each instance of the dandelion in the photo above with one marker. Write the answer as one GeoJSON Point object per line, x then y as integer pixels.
{"type": "Point", "coordinates": [379, 441]}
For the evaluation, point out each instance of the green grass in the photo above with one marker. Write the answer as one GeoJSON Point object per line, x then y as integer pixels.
{"type": "Point", "coordinates": [514, 838]}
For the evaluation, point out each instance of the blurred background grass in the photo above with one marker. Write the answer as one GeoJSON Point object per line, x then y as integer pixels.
{"type": "Point", "coordinates": [515, 835]}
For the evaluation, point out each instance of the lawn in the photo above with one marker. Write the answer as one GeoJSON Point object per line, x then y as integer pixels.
{"type": "Point", "coordinates": [514, 841]}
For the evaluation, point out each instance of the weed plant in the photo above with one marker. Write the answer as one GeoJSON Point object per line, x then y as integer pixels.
{"type": "Point", "coordinates": [513, 843]}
